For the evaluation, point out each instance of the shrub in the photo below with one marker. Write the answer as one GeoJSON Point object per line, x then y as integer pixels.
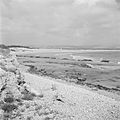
{"type": "Point", "coordinates": [9, 107]}
{"type": "Point", "coordinates": [28, 96]}
{"type": "Point", "coordinates": [9, 100]}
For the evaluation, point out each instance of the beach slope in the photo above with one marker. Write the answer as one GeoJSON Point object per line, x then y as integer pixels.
{"type": "Point", "coordinates": [74, 103]}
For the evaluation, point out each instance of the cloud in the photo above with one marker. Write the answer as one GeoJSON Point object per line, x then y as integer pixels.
{"type": "Point", "coordinates": [94, 2]}
{"type": "Point", "coordinates": [60, 22]}
{"type": "Point", "coordinates": [117, 1]}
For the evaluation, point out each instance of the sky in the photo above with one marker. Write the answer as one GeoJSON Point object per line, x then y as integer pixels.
{"type": "Point", "coordinates": [61, 22]}
{"type": "Point", "coordinates": [0, 24]}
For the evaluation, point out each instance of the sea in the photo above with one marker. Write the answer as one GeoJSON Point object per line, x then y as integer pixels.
{"type": "Point", "coordinates": [111, 55]}
{"type": "Point", "coordinates": [97, 55]}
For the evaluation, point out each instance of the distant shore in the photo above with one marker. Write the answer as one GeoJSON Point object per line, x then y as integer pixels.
{"type": "Point", "coordinates": [42, 50]}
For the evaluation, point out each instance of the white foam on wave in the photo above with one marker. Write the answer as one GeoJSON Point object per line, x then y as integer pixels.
{"type": "Point", "coordinates": [80, 57]}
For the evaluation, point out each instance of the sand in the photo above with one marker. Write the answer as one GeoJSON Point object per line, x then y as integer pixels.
{"type": "Point", "coordinates": [73, 103]}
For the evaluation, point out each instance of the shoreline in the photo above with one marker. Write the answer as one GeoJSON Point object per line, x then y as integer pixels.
{"type": "Point", "coordinates": [93, 89]}
{"type": "Point", "coordinates": [75, 101]}
{"type": "Point", "coordinates": [89, 74]}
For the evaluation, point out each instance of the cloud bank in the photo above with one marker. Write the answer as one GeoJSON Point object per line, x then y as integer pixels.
{"type": "Point", "coordinates": [61, 22]}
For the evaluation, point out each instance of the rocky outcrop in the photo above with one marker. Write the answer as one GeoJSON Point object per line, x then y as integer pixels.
{"type": "Point", "coordinates": [14, 91]}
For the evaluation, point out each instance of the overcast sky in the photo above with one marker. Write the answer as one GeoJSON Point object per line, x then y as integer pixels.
{"type": "Point", "coordinates": [61, 22]}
